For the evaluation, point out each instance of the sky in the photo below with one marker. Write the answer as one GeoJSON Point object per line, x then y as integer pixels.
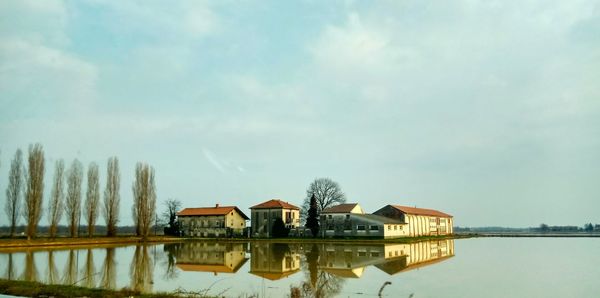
{"type": "Point", "coordinates": [487, 110]}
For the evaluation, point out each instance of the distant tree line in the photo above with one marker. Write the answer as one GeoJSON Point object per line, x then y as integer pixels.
{"type": "Point", "coordinates": [25, 193]}
{"type": "Point", "coordinates": [542, 228]}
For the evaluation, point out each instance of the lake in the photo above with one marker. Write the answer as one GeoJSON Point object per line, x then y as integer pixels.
{"type": "Point", "coordinates": [475, 267]}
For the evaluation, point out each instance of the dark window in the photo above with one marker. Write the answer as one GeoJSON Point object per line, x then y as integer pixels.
{"type": "Point", "coordinates": [374, 228]}
{"type": "Point", "coordinates": [360, 227]}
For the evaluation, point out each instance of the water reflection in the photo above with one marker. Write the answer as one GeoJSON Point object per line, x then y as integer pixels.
{"type": "Point", "coordinates": [89, 270]}
{"type": "Point", "coordinates": [30, 272]}
{"type": "Point", "coordinates": [274, 261]}
{"type": "Point", "coordinates": [141, 270]}
{"type": "Point", "coordinates": [325, 267]}
{"type": "Point", "coordinates": [53, 276]}
{"type": "Point", "coordinates": [108, 271]}
{"type": "Point", "coordinates": [70, 271]}
{"type": "Point", "coordinates": [204, 257]}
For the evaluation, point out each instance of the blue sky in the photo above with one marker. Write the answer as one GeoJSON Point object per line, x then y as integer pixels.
{"type": "Point", "coordinates": [487, 110]}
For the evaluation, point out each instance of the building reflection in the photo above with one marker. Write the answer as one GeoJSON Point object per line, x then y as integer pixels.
{"type": "Point", "coordinates": [274, 261]}
{"type": "Point", "coordinates": [205, 257]}
{"type": "Point", "coordinates": [350, 261]}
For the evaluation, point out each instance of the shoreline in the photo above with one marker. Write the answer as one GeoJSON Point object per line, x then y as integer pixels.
{"type": "Point", "coordinates": [62, 242]}
{"type": "Point", "coordinates": [15, 243]}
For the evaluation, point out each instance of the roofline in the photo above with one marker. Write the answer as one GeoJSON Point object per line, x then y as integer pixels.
{"type": "Point", "coordinates": [444, 213]}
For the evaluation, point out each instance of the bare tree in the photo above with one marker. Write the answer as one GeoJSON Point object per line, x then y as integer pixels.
{"type": "Point", "coordinates": [327, 193]}
{"type": "Point", "coordinates": [55, 207]}
{"type": "Point", "coordinates": [34, 189]}
{"type": "Point", "coordinates": [73, 200]}
{"type": "Point", "coordinates": [14, 191]}
{"type": "Point", "coordinates": [92, 198]}
{"type": "Point", "coordinates": [112, 199]}
{"type": "Point", "coordinates": [170, 216]}
{"type": "Point", "coordinates": [144, 199]}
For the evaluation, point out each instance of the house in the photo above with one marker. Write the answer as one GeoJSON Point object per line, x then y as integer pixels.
{"type": "Point", "coordinates": [350, 220]}
{"type": "Point", "coordinates": [264, 215]}
{"type": "Point", "coordinates": [419, 221]}
{"type": "Point", "coordinates": [211, 257]}
{"type": "Point", "coordinates": [218, 221]}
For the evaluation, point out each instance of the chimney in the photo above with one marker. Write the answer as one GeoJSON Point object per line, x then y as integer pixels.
{"type": "Point", "coordinates": [216, 205]}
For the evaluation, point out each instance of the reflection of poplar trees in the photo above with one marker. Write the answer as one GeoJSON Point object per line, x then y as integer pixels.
{"type": "Point", "coordinates": [10, 270]}
{"type": "Point", "coordinates": [53, 276]}
{"type": "Point", "coordinates": [30, 273]}
{"type": "Point", "coordinates": [89, 270]}
{"type": "Point", "coordinates": [141, 270]}
{"type": "Point", "coordinates": [70, 274]}
{"type": "Point", "coordinates": [108, 269]}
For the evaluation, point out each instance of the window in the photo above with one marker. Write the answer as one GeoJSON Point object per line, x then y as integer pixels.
{"type": "Point", "coordinates": [360, 227]}
{"type": "Point", "coordinates": [389, 228]}
{"type": "Point", "coordinates": [395, 227]}
{"type": "Point", "coordinates": [329, 216]}
{"type": "Point", "coordinates": [374, 228]}
{"type": "Point", "coordinates": [347, 216]}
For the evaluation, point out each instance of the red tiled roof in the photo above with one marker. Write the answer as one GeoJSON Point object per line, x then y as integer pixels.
{"type": "Point", "coordinates": [341, 208]}
{"type": "Point", "coordinates": [271, 204]}
{"type": "Point", "coordinates": [207, 211]}
{"type": "Point", "coordinates": [420, 211]}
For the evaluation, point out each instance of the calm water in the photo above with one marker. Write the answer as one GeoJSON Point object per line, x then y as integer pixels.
{"type": "Point", "coordinates": [481, 267]}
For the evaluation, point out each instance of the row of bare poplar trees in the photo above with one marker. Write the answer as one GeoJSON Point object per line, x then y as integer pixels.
{"type": "Point", "coordinates": [27, 184]}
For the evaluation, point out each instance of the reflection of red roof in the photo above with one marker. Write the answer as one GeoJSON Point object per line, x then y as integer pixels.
{"type": "Point", "coordinates": [207, 211]}
{"type": "Point", "coordinates": [271, 204]}
{"type": "Point", "coordinates": [274, 275]}
{"type": "Point", "coordinates": [341, 208]}
{"type": "Point", "coordinates": [211, 268]}
{"type": "Point", "coordinates": [420, 211]}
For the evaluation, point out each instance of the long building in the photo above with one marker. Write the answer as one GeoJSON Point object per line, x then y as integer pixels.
{"type": "Point", "coordinates": [419, 221]}
{"type": "Point", "coordinates": [350, 220]}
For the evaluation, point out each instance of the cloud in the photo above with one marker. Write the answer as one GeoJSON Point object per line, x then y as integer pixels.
{"type": "Point", "coordinates": [213, 160]}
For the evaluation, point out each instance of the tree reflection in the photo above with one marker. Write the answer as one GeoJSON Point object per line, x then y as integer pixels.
{"type": "Point", "coordinates": [53, 275]}
{"type": "Point", "coordinates": [108, 269]}
{"type": "Point", "coordinates": [70, 273]}
{"type": "Point", "coordinates": [30, 273]}
{"type": "Point", "coordinates": [169, 263]}
{"type": "Point", "coordinates": [10, 270]}
{"type": "Point", "coordinates": [89, 270]}
{"type": "Point", "coordinates": [319, 283]}
{"type": "Point", "coordinates": [141, 270]}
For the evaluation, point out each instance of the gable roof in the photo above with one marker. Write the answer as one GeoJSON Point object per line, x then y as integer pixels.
{"type": "Point", "coordinates": [207, 211]}
{"type": "Point", "coordinates": [273, 204]}
{"type": "Point", "coordinates": [420, 211]}
{"type": "Point", "coordinates": [341, 208]}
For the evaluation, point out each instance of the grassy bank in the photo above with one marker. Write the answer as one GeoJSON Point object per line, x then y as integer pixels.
{"type": "Point", "coordinates": [7, 243]}
{"type": "Point", "coordinates": [36, 289]}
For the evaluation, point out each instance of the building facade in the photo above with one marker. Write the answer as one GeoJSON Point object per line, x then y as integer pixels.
{"type": "Point", "coordinates": [218, 221]}
{"type": "Point", "coordinates": [264, 216]}
{"type": "Point", "coordinates": [350, 220]}
{"type": "Point", "coordinates": [419, 221]}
